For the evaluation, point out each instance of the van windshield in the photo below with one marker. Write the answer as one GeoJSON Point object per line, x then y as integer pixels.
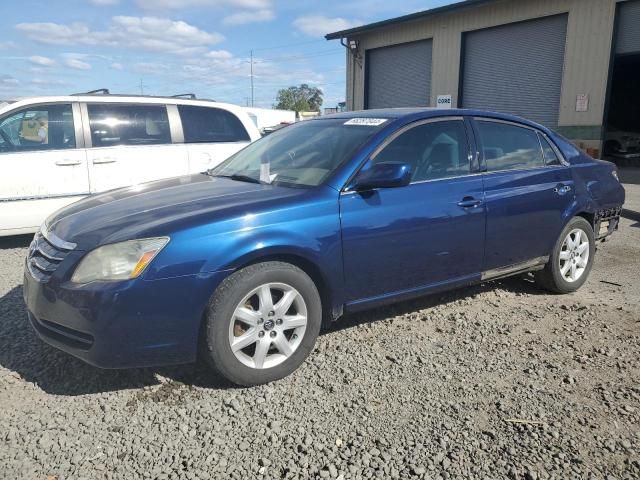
{"type": "Point", "coordinates": [303, 154]}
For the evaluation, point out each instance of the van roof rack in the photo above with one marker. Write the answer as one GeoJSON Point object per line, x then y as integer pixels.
{"type": "Point", "coordinates": [99, 91]}
{"type": "Point", "coordinates": [192, 96]}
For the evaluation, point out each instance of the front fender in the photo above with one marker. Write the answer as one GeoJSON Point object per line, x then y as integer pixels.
{"type": "Point", "coordinates": [308, 230]}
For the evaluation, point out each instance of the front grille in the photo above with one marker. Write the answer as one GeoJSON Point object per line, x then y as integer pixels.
{"type": "Point", "coordinates": [44, 257]}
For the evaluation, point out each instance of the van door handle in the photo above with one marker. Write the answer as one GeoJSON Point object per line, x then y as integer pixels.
{"type": "Point", "coordinates": [98, 161]}
{"type": "Point", "coordinates": [67, 162]}
{"type": "Point", "coordinates": [469, 202]}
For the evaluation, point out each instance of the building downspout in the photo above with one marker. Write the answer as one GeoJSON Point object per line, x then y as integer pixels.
{"type": "Point", "coordinates": [353, 56]}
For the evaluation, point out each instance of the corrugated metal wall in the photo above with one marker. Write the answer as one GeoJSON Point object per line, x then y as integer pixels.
{"type": "Point", "coordinates": [516, 68]}
{"type": "Point", "coordinates": [587, 54]}
{"type": "Point", "coordinates": [399, 76]}
{"type": "Point", "coordinates": [628, 36]}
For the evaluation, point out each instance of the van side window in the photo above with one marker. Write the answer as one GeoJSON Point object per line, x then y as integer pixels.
{"type": "Point", "coordinates": [434, 150]}
{"type": "Point", "coordinates": [41, 127]}
{"type": "Point", "coordinates": [124, 124]}
{"type": "Point", "coordinates": [509, 147]}
{"type": "Point", "coordinates": [211, 125]}
{"type": "Point", "coordinates": [550, 155]}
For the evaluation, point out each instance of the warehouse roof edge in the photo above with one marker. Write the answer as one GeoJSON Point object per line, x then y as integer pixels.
{"type": "Point", "coordinates": [406, 18]}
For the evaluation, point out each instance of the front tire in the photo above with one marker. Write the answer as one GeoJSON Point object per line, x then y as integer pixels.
{"type": "Point", "coordinates": [571, 260]}
{"type": "Point", "coordinates": [262, 322]}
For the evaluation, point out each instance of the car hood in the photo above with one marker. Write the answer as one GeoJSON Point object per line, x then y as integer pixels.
{"type": "Point", "coordinates": [158, 208]}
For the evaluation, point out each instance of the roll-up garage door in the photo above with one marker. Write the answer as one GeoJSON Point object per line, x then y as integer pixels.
{"type": "Point", "coordinates": [516, 68]}
{"type": "Point", "coordinates": [628, 36]}
{"type": "Point", "coordinates": [399, 76]}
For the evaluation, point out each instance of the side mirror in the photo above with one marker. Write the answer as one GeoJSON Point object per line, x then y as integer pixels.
{"type": "Point", "coordinates": [384, 175]}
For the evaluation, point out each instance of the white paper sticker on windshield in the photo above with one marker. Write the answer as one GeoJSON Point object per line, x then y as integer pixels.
{"type": "Point", "coordinates": [366, 121]}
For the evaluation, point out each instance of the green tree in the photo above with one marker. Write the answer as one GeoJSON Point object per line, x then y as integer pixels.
{"type": "Point", "coordinates": [300, 99]}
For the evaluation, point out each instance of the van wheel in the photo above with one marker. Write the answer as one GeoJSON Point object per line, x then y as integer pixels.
{"type": "Point", "coordinates": [262, 322]}
{"type": "Point", "coordinates": [571, 259]}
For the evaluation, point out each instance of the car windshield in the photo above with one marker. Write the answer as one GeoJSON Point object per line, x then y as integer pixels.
{"type": "Point", "coordinates": [300, 155]}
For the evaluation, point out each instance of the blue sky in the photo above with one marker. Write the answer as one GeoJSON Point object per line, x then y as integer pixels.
{"type": "Point", "coordinates": [177, 46]}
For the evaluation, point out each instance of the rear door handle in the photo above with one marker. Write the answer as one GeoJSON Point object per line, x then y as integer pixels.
{"type": "Point", "coordinates": [469, 202]}
{"type": "Point", "coordinates": [67, 162]}
{"type": "Point", "coordinates": [98, 161]}
{"type": "Point", "coordinates": [562, 189]}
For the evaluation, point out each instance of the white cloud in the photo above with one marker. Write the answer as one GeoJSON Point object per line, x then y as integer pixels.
{"type": "Point", "coordinates": [220, 68]}
{"type": "Point", "coordinates": [117, 66]}
{"type": "Point", "coordinates": [175, 4]}
{"type": "Point", "coordinates": [43, 83]}
{"type": "Point", "coordinates": [150, 68]}
{"type": "Point", "coordinates": [42, 61]}
{"type": "Point", "coordinates": [103, 3]}
{"type": "Point", "coordinates": [144, 33]}
{"type": "Point", "coordinates": [319, 25]}
{"type": "Point", "coordinates": [219, 54]}
{"type": "Point", "coordinates": [242, 18]}
{"type": "Point", "coordinates": [77, 64]}
{"type": "Point", "coordinates": [8, 81]}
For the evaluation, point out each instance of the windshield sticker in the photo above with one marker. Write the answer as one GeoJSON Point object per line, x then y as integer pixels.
{"type": "Point", "coordinates": [366, 121]}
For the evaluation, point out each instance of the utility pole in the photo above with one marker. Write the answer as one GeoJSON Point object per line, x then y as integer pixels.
{"type": "Point", "coordinates": [251, 61]}
{"type": "Point", "coordinates": [141, 87]}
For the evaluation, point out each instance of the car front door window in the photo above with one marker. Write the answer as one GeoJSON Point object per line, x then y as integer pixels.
{"type": "Point", "coordinates": [46, 127]}
{"type": "Point", "coordinates": [434, 150]}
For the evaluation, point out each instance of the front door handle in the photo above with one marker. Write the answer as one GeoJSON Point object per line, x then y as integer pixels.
{"type": "Point", "coordinates": [67, 162]}
{"type": "Point", "coordinates": [469, 202]}
{"type": "Point", "coordinates": [98, 161]}
{"type": "Point", "coordinates": [562, 189]}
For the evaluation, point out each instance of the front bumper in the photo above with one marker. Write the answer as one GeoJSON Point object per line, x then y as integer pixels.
{"type": "Point", "coordinates": [135, 323]}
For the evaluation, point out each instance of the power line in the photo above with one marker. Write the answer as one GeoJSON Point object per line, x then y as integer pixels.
{"type": "Point", "coordinates": [302, 56]}
{"type": "Point", "coordinates": [288, 45]}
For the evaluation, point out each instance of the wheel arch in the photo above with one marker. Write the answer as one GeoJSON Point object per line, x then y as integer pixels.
{"type": "Point", "coordinates": [588, 216]}
{"type": "Point", "coordinates": [332, 305]}
{"type": "Point", "coordinates": [308, 266]}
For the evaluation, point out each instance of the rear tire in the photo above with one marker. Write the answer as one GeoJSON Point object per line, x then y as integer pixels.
{"type": "Point", "coordinates": [571, 260]}
{"type": "Point", "coordinates": [262, 322]}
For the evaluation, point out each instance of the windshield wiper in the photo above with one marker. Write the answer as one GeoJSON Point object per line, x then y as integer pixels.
{"type": "Point", "coordinates": [240, 178]}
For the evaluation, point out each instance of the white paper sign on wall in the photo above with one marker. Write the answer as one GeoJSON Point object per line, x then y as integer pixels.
{"type": "Point", "coordinates": [582, 102]}
{"type": "Point", "coordinates": [443, 101]}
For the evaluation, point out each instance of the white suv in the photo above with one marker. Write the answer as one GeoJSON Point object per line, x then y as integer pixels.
{"type": "Point", "coordinates": [55, 150]}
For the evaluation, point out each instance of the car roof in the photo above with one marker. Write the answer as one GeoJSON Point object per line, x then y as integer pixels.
{"type": "Point", "coordinates": [138, 99]}
{"type": "Point", "coordinates": [410, 114]}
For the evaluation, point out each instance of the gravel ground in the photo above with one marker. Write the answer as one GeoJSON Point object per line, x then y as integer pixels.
{"type": "Point", "coordinates": [497, 381]}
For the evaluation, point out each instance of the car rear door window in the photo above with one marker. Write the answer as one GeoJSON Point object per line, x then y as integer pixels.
{"type": "Point", "coordinates": [125, 124]}
{"type": "Point", "coordinates": [41, 127]}
{"type": "Point", "coordinates": [509, 147]}
{"type": "Point", "coordinates": [550, 155]}
{"type": "Point", "coordinates": [211, 125]}
{"type": "Point", "coordinates": [434, 150]}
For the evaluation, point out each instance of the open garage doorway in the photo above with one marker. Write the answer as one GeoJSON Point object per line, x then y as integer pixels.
{"type": "Point", "coordinates": [621, 142]}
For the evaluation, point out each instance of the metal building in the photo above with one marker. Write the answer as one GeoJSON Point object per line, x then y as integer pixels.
{"type": "Point", "coordinates": [573, 65]}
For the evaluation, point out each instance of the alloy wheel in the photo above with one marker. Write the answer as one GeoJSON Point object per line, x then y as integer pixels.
{"type": "Point", "coordinates": [574, 255]}
{"type": "Point", "coordinates": [268, 325]}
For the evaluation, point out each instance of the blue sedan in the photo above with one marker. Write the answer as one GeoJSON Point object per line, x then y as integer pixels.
{"type": "Point", "coordinates": [243, 264]}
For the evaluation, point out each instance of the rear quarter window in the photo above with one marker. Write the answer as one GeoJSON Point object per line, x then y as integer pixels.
{"type": "Point", "coordinates": [211, 125]}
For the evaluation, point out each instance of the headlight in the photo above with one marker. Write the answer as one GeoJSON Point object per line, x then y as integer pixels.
{"type": "Point", "coordinates": [118, 261]}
